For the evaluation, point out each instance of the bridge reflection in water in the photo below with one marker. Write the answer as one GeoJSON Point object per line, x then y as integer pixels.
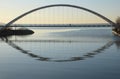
{"type": "Point", "coordinates": [78, 37]}
{"type": "Point", "coordinates": [87, 55]}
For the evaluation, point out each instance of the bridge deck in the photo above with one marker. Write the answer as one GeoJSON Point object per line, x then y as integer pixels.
{"type": "Point", "coordinates": [62, 25]}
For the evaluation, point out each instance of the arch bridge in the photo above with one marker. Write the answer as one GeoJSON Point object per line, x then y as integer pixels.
{"type": "Point", "coordinates": [58, 5]}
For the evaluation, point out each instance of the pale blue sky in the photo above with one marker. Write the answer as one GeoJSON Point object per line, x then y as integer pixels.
{"type": "Point", "coordinates": [9, 9]}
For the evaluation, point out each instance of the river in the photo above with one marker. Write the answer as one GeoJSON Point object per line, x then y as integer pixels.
{"type": "Point", "coordinates": [61, 53]}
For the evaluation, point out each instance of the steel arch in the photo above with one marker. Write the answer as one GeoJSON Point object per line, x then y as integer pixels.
{"type": "Point", "coordinates": [58, 5]}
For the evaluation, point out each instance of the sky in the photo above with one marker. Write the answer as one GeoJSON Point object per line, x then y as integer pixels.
{"type": "Point", "coordinates": [9, 9]}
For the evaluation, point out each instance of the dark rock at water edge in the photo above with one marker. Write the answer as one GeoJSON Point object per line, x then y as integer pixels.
{"type": "Point", "coordinates": [9, 32]}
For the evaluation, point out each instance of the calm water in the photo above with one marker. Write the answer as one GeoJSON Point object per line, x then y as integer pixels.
{"type": "Point", "coordinates": [61, 53]}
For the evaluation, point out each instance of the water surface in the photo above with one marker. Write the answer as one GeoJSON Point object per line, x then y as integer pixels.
{"type": "Point", "coordinates": [61, 53]}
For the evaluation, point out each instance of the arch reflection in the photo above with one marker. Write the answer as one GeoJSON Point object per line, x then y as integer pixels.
{"type": "Point", "coordinates": [86, 56]}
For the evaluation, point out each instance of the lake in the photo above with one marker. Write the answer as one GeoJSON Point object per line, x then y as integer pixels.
{"type": "Point", "coordinates": [61, 53]}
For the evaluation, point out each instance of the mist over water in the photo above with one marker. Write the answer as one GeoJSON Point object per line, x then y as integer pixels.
{"type": "Point", "coordinates": [87, 53]}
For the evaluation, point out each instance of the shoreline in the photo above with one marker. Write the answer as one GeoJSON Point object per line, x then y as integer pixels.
{"type": "Point", "coordinates": [114, 32]}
